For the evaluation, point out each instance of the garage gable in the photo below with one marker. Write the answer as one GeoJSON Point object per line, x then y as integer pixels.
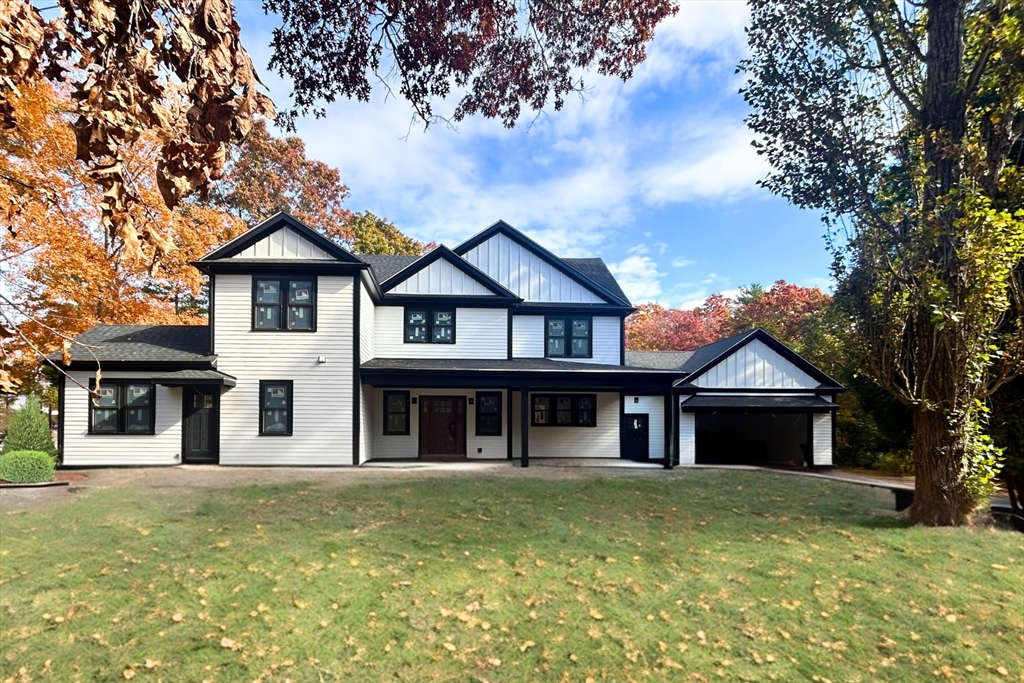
{"type": "Point", "coordinates": [755, 365]}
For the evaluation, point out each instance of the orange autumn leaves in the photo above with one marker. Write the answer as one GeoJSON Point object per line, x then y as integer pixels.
{"type": "Point", "coordinates": [64, 273]}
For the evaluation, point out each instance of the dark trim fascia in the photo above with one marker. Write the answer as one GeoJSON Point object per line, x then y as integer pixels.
{"type": "Point", "coordinates": [546, 381]}
{"type": "Point", "coordinates": [443, 252]}
{"type": "Point", "coordinates": [357, 384]}
{"type": "Point", "coordinates": [280, 267]}
{"type": "Point", "coordinates": [622, 341]}
{"type": "Point", "coordinates": [685, 389]}
{"type": "Point", "coordinates": [788, 410]}
{"type": "Point", "coordinates": [547, 308]}
{"type": "Point", "coordinates": [196, 382]}
{"type": "Point", "coordinates": [140, 366]}
{"type": "Point", "coordinates": [209, 324]}
{"type": "Point", "coordinates": [445, 300]}
{"type": "Point", "coordinates": [501, 227]}
{"type": "Point", "coordinates": [270, 226]}
{"type": "Point", "coordinates": [509, 350]}
{"type": "Point", "coordinates": [376, 295]}
{"type": "Point", "coordinates": [61, 400]}
{"type": "Point", "coordinates": [771, 342]}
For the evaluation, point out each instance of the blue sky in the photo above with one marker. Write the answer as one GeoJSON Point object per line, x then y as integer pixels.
{"type": "Point", "coordinates": [656, 175]}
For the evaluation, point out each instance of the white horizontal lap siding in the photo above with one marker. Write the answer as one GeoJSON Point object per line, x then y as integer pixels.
{"type": "Point", "coordinates": [323, 393]}
{"type": "Point", "coordinates": [606, 342]}
{"type": "Point", "coordinates": [441, 277]}
{"type": "Point", "coordinates": [654, 407]}
{"type": "Point", "coordinates": [601, 441]}
{"type": "Point", "coordinates": [479, 333]}
{"type": "Point", "coordinates": [367, 325]}
{"type": "Point", "coordinates": [755, 365]}
{"type": "Point", "coordinates": [82, 449]}
{"type": "Point", "coordinates": [527, 336]}
{"type": "Point", "coordinates": [389, 447]}
{"type": "Point", "coordinates": [687, 438]}
{"type": "Point", "coordinates": [527, 274]}
{"type": "Point", "coordinates": [821, 434]}
{"type": "Point", "coordinates": [284, 243]}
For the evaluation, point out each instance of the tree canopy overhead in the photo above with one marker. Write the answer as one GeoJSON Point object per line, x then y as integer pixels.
{"type": "Point", "coordinates": [899, 121]}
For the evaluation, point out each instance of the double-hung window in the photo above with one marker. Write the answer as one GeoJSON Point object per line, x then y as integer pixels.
{"type": "Point", "coordinates": [284, 303]}
{"type": "Point", "coordinates": [396, 413]}
{"type": "Point", "coordinates": [276, 407]}
{"type": "Point", "coordinates": [568, 337]}
{"type": "Point", "coordinates": [488, 413]}
{"type": "Point", "coordinates": [429, 325]}
{"type": "Point", "coordinates": [121, 407]}
{"type": "Point", "coordinates": [564, 410]}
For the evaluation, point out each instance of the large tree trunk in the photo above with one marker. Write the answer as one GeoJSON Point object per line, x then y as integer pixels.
{"type": "Point", "coordinates": [941, 497]}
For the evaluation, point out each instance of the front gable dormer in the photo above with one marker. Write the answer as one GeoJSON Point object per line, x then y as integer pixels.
{"type": "Point", "coordinates": [282, 238]}
{"type": "Point", "coordinates": [441, 272]}
{"type": "Point", "coordinates": [530, 271]}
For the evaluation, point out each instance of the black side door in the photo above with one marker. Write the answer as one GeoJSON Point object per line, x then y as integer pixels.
{"type": "Point", "coordinates": [200, 424]}
{"type": "Point", "coordinates": [636, 436]}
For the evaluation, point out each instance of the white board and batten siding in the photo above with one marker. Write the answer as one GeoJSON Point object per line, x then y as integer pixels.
{"type": "Point", "coordinates": [323, 398]}
{"type": "Point", "coordinates": [527, 274]}
{"type": "Point", "coordinates": [654, 407]}
{"type": "Point", "coordinates": [528, 339]}
{"type": "Point", "coordinates": [821, 439]}
{"type": "Point", "coordinates": [392, 446]}
{"type": "Point", "coordinates": [479, 333]}
{"type": "Point", "coordinates": [284, 244]}
{"type": "Point", "coordinates": [755, 365]}
{"type": "Point", "coordinates": [601, 441]}
{"type": "Point", "coordinates": [441, 277]}
{"type": "Point", "coordinates": [82, 449]}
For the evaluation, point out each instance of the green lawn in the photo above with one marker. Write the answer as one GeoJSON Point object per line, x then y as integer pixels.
{"type": "Point", "coordinates": [703, 576]}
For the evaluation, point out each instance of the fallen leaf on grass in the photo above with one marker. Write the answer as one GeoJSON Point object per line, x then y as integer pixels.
{"type": "Point", "coordinates": [594, 614]}
{"type": "Point", "coordinates": [128, 674]}
{"type": "Point", "coordinates": [449, 646]}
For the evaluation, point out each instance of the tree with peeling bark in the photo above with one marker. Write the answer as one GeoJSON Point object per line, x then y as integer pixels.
{"type": "Point", "coordinates": [898, 121]}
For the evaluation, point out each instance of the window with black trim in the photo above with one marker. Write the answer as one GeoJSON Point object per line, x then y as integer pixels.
{"type": "Point", "coordinates": [280, 303]}
{"type": "Point", "coordinates": [568, 337]}
{"type": "Point", "coordinates": [564, 410]}
{"type": "Point", "coordinates": [276, 407]}
{"type": "Point", "coordinates": [429, 325]}
{"type": "Point", "coordinates": [396, 413]}
{"type": "Point", "coordinates": [121, 407]}
{"type": "Point", "coordinates": [488, 413]}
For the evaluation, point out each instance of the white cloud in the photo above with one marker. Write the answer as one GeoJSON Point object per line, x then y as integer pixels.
{"type": "Point", "coordinates": [680, 262]}
{"type": "Point", "coordinates": [638, 275]}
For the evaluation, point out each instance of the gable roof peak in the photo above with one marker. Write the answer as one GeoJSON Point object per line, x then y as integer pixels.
{"type": "Point", "coordinates": [280, 220]}
{"type": "Point", "coordinates": [442, 252]}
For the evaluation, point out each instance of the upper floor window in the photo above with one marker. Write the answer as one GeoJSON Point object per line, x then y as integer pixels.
{"type": "Point", "coordinates": [568, 337]}
{"type": "Point", "coordinates": [426, 325]}
{"type": "Point", "coordinates": [121, 407]}
{"type": "Point", "coordinates": [284, 304]}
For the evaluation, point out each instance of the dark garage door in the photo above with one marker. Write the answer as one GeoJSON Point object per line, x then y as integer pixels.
{"type": "Point", "coordinates": [738, 438]}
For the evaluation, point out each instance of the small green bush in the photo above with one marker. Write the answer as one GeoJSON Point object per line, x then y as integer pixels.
{"type": "Point", "coordinates": [26, 467]}
{"type": "Point", "coordinates": [29, 430]}
{"type": "Point", "coordinates": [899, 463]}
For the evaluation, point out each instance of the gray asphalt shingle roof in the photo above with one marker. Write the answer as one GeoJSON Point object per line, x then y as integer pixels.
{"type": "Point", "coordinates": [152, 343]}
{"type": "Point", "coordinates": [658, 360]}
{"type": "Point", "coordinates": [384, 267]}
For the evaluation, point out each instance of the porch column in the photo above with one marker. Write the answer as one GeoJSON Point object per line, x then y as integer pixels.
{"type": "Point", "coordinates": [508, 422]}
{"type": "Point", "coordinates": [670, 431]}
{"type": "Point", "coordinates": [524, 427]}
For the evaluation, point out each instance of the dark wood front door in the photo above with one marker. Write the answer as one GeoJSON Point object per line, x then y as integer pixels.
{"type": "Point", "coordinates": [442, 427]}
{"type": "Point", "coordinates": [636, 436]}
{"type": "Point", "coordinates": [200, 418]}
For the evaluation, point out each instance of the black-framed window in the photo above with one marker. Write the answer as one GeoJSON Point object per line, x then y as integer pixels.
{"type": "Point", "coordinates": [569, 337]}
{"type": "Point", "coordinates": [429, 325]}
{"type": "Point", "coordinates": [122, 406]}
{"type": "Point", "coordinates": [488, 413]}
{"type": "Point", "coordinates": [276, 407]}
{"type": "Point", "coordinates": [396, 413]}
{"type": "Point", "coordinates": [564, 410]}
{"type": "Point", "coordinates": [284, 303]}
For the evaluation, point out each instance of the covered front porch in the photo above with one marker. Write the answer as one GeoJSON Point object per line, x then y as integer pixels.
{"type": "Point", "coordinates": [420, 411]}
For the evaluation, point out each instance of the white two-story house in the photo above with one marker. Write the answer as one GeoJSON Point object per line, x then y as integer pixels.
{"type": "Point", "coordinates": [495, 350]}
